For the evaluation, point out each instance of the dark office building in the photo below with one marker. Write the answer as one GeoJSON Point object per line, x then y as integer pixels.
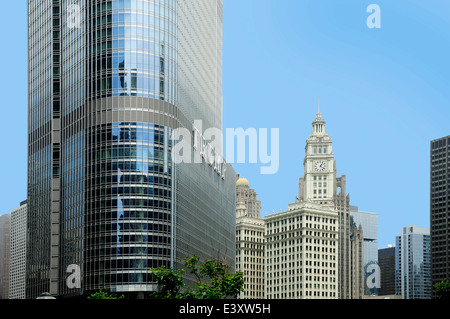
{"type": "Point", "coordinates": [386, 262]}
{"type": "Point", "coordinates": [109, 83]}
{"type": "Point", "coordinates": [439, 209]}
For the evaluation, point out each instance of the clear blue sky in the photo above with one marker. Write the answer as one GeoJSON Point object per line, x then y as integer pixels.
{"type": "Point", "coordinates": [384, 94]}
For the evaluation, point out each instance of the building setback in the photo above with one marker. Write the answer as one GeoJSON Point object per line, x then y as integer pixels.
{"type": "Point", "coordinates": [109, 83]}
{"type": "Point", "coordinates": [439, 209]}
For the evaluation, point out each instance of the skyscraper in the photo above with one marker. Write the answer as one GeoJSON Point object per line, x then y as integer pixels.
{"type": "Point", "coordinates": [109, 82]}
{"type": "Point", "coordinates": [369, 224]}
{"type": "Point", "coordinates": [301, 257]}
{"type": "Point", "coordinates": [412, 263]}
{"type": "Point", "coordinates": [386, 262]}
{"type": "Point", "coordinates": [439, 209]}
{"type": "Point", "coordinates": [321, 186]}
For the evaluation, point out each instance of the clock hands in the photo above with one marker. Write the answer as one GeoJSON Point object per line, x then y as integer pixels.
{"type": "Point", "coordinates": [320, 166]}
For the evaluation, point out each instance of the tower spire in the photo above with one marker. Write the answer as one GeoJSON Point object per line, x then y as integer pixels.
{"type": "Point", "coordinates": [319, 123]}
{"type": "Point", "coordinates": [318, 115]}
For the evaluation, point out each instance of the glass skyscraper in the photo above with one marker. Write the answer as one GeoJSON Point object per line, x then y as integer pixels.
{"type": "Point", "coordinates": [109, 82]}
{"type": "Point", "coordinates": [369, 223]}
{"type": "Point", "coordinates": [412, 263]}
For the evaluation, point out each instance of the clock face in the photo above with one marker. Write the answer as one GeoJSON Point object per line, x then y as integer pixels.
{"type": "Point", "coordinates": [320, 166]}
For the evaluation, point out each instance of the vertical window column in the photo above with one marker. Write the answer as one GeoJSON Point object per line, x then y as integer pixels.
{"type": "Point", "coordinates": [56, 150]}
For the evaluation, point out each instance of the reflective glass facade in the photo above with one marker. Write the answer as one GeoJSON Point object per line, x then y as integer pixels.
{"type": "Point", "coordinates": [412, 263]}
{"type": "Point", "coordinates": [132, 49]}
{"type": "Point", "coordinates": [369, 224]}
{"type": "Point", "coordinates": [109, 82]}
{"type": "Point", "coordinates": [40, 89]}
{"type": "Point", "coordinates": [128, 213]}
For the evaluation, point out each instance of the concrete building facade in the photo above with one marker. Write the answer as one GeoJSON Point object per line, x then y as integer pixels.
{"type": "Point", "coordinates": [301, 258]}
{"type": "Point", "coordinates": [248, 196]}
{"type": "Point", "coordinates": [250, 248]}
{"type": "Point", "coordinates": [321, 185]}
{"type": "Point", "coordinates": [5, 244]}
{"type": "Point", "coordinates": [18, 252]}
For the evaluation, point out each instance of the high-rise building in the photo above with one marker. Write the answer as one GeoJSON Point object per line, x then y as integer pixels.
{"type": "Point", "coordinates": [109, 82]}
{"type": "Point", "coordinates": [321, 185]}
{"type": "Point", "coordinates": [18, 252]}
{"type": "Point", "coordinates": [5, 242]}
{"type": "Point", "coordinates": [386, 262]}
{"type": "Point", "coordinates": [248, 196]}
{"type": "Point", "coordinates": [301, 256]}
{"type": "Point", "coordinates": [412, 263]}
{"type": "Point", "coordinates": [369, 224]}
{"type": "Point", "coordinates": [318, 221]}
{"type": "Point", "coordinates": [250, 252]}
{"type": "Point", "coordinates": [439, 209]}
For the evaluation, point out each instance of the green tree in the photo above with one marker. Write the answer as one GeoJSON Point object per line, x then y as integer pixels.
{"type": "Point", "coordinates": [104, 295]}
{"type": "Point", "coordinates": [170, 283]}
{"type": "Point", "coordinates": [442, 289]}
{"type": "Point", "coordinates": [213, 281]}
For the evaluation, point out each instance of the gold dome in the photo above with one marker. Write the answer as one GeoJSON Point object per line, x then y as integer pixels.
{"type": "Point", "coordinates": [242, 182]}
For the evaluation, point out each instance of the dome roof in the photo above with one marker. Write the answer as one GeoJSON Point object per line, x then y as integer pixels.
{"type": "Point", "coordinates": [242, 182]}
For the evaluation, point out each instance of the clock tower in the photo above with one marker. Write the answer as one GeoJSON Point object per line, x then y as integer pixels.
{"type": "Point", "coordinates": [320, 185]}
{"type": "Point", "coordinates": [318, 182]}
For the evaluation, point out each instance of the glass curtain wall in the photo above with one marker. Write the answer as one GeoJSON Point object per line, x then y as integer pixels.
{"type": "Point", "coordinates": [39, 144]}
{"type": "Point", "coordinates": [131, 53]}
{"type": "Point", "coordinates": [106, 91]}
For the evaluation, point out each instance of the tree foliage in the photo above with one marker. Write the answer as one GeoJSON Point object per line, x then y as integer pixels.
{"type": "Point", "coordinates": [214, 280]}
{"type": "Point", "coordinates": [442, 289]}
{"type": "Point", "coordinates": [104, 295]}
{"type": "Point", "coordinates": [170, 282]}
